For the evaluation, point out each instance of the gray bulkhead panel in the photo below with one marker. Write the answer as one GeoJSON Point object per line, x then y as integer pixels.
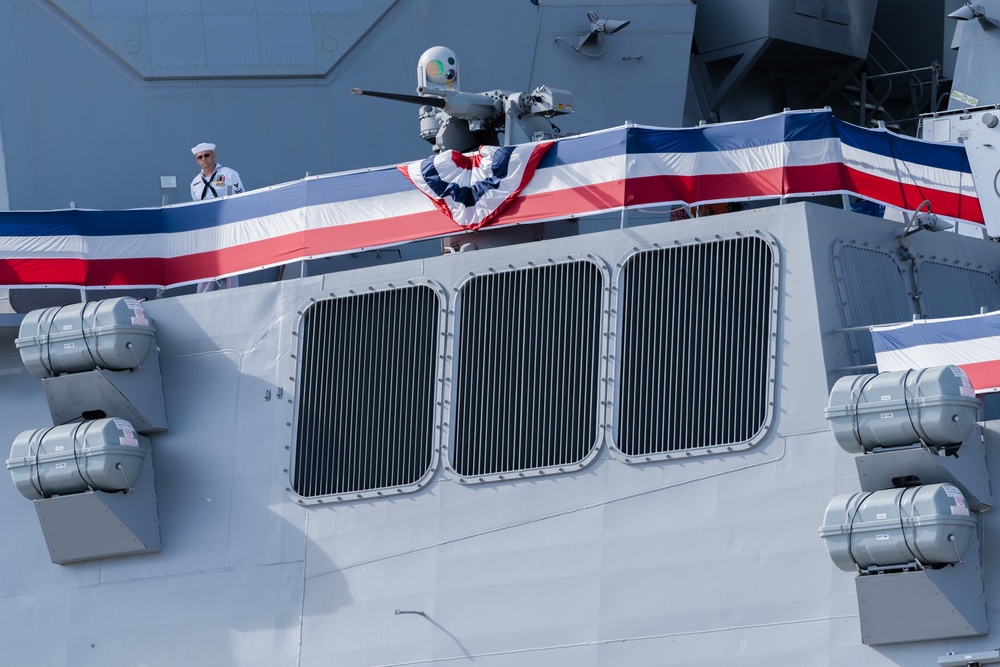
{"type": "Point", "coordinates": [192, 40]}
{"type": "Point", "coordinates": [840, 27]}
{"type": "Point", "coordinates": [4, 188]}
{"type": "Point", "coordinates": [977, 43]}
{"type": "Point", "coordinates": [669, 562]}
{"type": "Point", "coordinates": [489, 565]}
{"type": "Point", "coordinates": [615, 584]}
{"type": "Point", "coordinates": [484, 568]}
{"type": "Point", "coordinates": [110, 95]}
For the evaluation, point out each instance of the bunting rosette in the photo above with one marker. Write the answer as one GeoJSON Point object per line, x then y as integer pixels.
{"type": "Point", "coordinates": [474, 189]}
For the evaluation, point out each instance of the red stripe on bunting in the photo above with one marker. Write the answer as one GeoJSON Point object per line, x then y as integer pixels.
{"type": "Point", "coordinates": [910, 196]}
{"type": "Point", "coordinates": [831, 177]}
{"type": "Point", "coordinates": [734, 186]}
{"type": "Point", "coordinates": [983, 375]}
{"type": "Point", "coordinates": [327, 241]}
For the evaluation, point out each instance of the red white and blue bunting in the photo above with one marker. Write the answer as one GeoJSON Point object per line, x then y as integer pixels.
{"type": "Point", "coordinates": [792, 153]}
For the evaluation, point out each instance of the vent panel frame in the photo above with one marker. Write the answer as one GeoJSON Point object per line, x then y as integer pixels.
{"type": "Point", "coordinates": [856, 267]}
{"type": "Point", "coordinates": [955, 288]}
{"type": "Point", "coordinates": [486, 301]}
{"type": "Point", "coordinates": [653, 420]}
{"type": "Point", "coordinates": [368, 380]}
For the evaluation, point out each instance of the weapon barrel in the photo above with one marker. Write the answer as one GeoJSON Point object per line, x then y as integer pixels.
{"type": "Point", "coordinates": [467, 105]}
{"type": "Point", "coordinates": [398, 97]}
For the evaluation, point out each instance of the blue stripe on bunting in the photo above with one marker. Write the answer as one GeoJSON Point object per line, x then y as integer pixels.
{"type": "Point", "coordinates": [256, 203]}
{"type": "Point", "coordinates": [792, 126]}
{"type": "Point", "coordinates": [943, 156]}
{"type": "Point", "coordinates": [797, 126]}
{"type": "Point", "coordinates": [945, 331]}
{"type": "Point", "coordinates": [204, 215]}
{"type": "Point", "coordinates": [608, 143]}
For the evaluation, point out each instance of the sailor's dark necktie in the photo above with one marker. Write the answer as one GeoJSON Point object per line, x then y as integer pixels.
{"type": "Point", "coordinates": [208, 185]}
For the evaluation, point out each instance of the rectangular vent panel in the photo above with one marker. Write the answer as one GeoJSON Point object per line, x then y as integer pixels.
{"type": "Point", "coordinates": [366, 394]}
{"type": "Point", "coordinates": [695, 325]}
{"type": "Point", "coordinates": [857, 270]}
{"type": "Point", "coordinates": [953, 290]}
{"type": "Point", "coordinates": [527, 369]}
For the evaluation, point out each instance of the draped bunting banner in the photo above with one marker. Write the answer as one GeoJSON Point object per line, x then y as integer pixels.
{"type": "Point", "coordinates": [972, 343]}
{"type": "Point", "coordinates": [793, 153]}
{"type": "Point", "coordinates": [472, 190]}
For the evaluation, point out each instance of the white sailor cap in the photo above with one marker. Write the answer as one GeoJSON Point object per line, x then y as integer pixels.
{"type": "Point", "coordinates": [201, 148]}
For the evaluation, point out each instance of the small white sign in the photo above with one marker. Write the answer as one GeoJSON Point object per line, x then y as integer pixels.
{"type": "Point", "coordinates": [167, 182]}
{"type": "Point", "coordinates": [941, 130]}
{"type": "Point", "coordinates": [964, 99]}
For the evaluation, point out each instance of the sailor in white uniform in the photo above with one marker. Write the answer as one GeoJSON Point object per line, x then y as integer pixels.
{"type": "Point", "coordinates": [214, 181]}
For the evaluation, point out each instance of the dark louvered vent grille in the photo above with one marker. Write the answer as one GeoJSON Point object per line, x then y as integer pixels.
{"type": "Point", "coordinates": [527, 369]}
{"type": "Point", "coordinates": [696, 324]}
{"type": "Point", "coordinates": [873, 290]}
{"type": "Point", "coordinates": [954, 290]}
{"type": "Point", "coordinates": [366, 392]}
